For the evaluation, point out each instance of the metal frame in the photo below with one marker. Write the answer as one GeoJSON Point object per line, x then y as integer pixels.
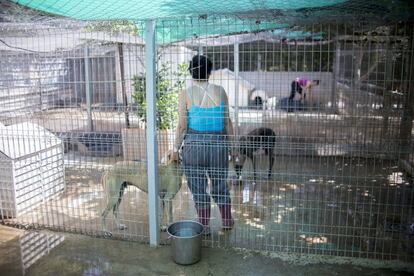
{"type": "Point", "coordinates": [150, 59]}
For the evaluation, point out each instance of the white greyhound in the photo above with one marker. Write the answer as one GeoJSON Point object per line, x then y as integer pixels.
{"type": "Point", "coordinates": [125, 173]}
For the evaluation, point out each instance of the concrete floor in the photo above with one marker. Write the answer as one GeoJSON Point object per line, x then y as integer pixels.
{"type": "Point", "coordinates": [48, 253]}
{"type": "Point", "coordinates": [324, 203]}
{"type": "Point", "coordinates": [329, 206]}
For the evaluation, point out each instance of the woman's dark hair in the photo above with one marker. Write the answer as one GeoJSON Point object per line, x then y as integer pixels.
{"type": "Point", "coordinates": [316, 81]}
{"type": "Point", "coordinates": [200, 67]}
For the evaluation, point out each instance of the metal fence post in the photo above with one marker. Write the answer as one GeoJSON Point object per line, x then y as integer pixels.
{"type": "Point", "coordinates": [151, 132]}
{"type": "Point", "coordinates": [236, 88]}
{"type": "Point", "coordinates": [406, 124]}
{"type": "Point", "coordinates": [335, 76]}
{"type": "Point", "coordinates": [88, 89]}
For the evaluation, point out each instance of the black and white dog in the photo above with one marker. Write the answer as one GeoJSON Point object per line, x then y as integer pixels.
{"type": "Point", "coordinates": [258, 139]}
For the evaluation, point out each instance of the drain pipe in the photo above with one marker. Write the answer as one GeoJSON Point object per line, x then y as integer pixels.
{"type": "Point", "coordinates": [150, 89]}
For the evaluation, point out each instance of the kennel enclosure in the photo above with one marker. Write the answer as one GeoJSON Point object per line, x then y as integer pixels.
{"type": "Point", "coordinates": [342, 181]}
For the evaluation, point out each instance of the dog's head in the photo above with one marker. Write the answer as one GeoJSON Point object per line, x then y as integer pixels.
{"type": "Point", "coordinates": [169, 180]}
{"type": "Point", "coordinates": [238, 162]}
{"type": "Point", "coordinates": [169, 175]}
{"type": "Point", "coordinates": [170, 158]}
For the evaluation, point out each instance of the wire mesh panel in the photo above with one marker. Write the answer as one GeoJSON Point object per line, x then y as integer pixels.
{"type": "Point", "coordinates": [301, 137]}
{"type": "Point", "coordinates": [336, 184]}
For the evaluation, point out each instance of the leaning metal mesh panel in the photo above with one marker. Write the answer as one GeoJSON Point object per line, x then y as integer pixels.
{"type": "Point", "coordinates": [341, 181]}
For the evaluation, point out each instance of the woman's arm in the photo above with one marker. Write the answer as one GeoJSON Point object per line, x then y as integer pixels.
{"type": "Point", "coordinates": [182, 121]}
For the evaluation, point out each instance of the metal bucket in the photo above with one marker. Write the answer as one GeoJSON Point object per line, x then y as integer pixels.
{"type": "Point", "coordinates": [185, 241]}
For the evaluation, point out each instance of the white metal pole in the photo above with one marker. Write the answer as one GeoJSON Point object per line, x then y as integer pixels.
{"type": "Point", "coordinates": [335, 76]}
{"type": "Point", "coordinates": [236, 88]}
{"type": "Point", "coordinates": [152, 154]}
{"type": "Point", "coordinates": [88, 89]}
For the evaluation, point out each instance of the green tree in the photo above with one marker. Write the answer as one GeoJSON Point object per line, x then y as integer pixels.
{"type": "Point", "coordinates": [168, 87]}
{"type": "Point", "coordinates": [115, 26]}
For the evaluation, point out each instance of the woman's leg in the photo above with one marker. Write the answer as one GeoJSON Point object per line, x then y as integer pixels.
{"type": "Point", "coordinates": [197, 183]}
{"type": "Point", "coordinates": [301, 93]}
{"type": "Point", "coordinates": [294, 87]}
{"type": "Point", "coordinates": [221, 195]}
{"type": "Point", "coordinates": [218, 172]}
{"type": "Point", "coordinates": [219, 189]}
{"type": "Point", "coordinates": [194, 169]}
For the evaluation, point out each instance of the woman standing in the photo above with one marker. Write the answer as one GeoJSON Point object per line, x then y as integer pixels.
{"type": "Point", "coordinates": [205, 127]}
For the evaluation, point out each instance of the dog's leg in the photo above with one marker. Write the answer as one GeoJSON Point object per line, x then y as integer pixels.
{"type": "Point", "coordinates": [271, 162]}
{"type": "Point", "coordinates": [170, 211]}
{"type": "Point", "coordinates": [254, 170]}
{"type": "Point", "coordinates": [112, 201]}
{"type": "Point", "coordinates": [107, 182]}
{"type": "Point", "coordinates": [166, 217]}
{"type": "Point", "coordinates": [116, 208]}
{"type": "Point", "coordinates": [104, 215]}
{"type": "Point", "coordinates": [163, 226]}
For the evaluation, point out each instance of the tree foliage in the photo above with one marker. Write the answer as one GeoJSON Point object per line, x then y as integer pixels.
{"type": "Point", "coordinates": [116, 26]}
{"type": "Point", "coordinates": [168, 86]}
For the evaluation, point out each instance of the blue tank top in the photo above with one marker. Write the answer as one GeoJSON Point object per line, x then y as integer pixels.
{"type": "Point", "coordinates": [206, 119]}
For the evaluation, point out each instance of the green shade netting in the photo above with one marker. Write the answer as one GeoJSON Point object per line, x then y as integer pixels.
{"type": "Point", "coordinates": [297, 34]}
{"type": "Point", "coordinates": [154, 9]}
{"type": "Point", "coordinates": [177, 30]}
{"type": "Point", "coordinates": [178, 20]}
{"type": "Point", "coordinates": [186, 23]}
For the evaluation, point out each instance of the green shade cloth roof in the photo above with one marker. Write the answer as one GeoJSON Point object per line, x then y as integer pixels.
{"type": "Point", "coordinates": [154, 9]}
{"type": "Point", "coordinates": [181, 29]}
{"type": "Point", "coordinates": [179, 20]}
